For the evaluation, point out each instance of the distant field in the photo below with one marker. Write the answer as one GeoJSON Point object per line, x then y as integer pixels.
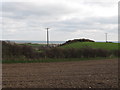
{"type": "Point", "coordinates": [33, 44]}
{"type": "Point", "coordinates": [103, 45]}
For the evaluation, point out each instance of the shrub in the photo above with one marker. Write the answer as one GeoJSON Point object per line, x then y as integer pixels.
{"type": "Point", "coordinates": [11, 49]}
{"type": "Point", "coordinates": [116, 53]}
{"type": "Point", "coordinates": [85, 52]}
{"type": "Point", "coordinates": [102, 53]}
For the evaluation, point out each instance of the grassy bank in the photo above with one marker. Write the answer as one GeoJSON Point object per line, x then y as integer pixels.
{"type": "Point", "coordinates": [102, 45]}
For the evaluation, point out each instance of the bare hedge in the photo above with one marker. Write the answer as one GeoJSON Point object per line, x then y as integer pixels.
{"type": "Point", "coordinates": [14, 50]}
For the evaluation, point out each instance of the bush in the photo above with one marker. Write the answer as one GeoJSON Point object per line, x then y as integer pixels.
{"type": "Point", "coordinates": [55, 53]}
{"type": "Point", "coordinates": [76, 53]}
{"type": "Point", "coordinates": [12, 50]}
{"type": "Point", "coordinates": [102, 53]}
{"type": "Point", "coordinates": [116, 53]}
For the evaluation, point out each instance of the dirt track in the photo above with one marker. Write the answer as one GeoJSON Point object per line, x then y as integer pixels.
{"type": "Point", "coordinates": [79, 74]}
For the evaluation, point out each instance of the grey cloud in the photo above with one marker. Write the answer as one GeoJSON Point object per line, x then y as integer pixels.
{"type": "Point", "coordinates": [106, 20]}
{"type": "Point", "coordinates": [90, 20]}
{"type": "Point", "coordinates": [27, 17]}
{"type": "Point", "coordinates": [101, 4]}
{"type": "Point", "coordinates": [18, 12]}
{"type": "Point", "coordinates": [90, 23]}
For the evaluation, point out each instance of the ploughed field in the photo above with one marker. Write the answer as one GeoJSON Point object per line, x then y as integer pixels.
{"type": "Point", "coordinates": [74, 74]}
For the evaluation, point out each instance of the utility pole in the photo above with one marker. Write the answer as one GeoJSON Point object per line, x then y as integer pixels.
{"type": "Point", "coordinates": [106, 36]}
{"type": "Point", "coordinates": [47, 36]}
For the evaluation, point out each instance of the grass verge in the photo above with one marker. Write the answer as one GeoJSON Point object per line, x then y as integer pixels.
{"type": "Point", "coordinates": [48, 60]}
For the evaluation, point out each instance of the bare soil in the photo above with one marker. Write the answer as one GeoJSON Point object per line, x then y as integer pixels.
{"type": "Point", "coordinates": [74, 74]}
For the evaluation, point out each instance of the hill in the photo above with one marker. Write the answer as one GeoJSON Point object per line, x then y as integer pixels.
{"type": "Point", "coordinates": [102, 45]}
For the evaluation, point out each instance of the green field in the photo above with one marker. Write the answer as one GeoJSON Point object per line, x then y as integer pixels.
{"type": "Point", "coordinates": [33, 44]}
{"type": "Point", "coordinates": [102, 45]}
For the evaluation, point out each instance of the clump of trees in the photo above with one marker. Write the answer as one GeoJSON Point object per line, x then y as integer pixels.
{"type": "Point", "coordinates": [14, 50]}
{"type": "Point", "coordinates": [77, 40]}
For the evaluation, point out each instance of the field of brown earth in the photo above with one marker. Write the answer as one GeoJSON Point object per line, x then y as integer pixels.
{"type": "Point", "coordinates": [74, 74]}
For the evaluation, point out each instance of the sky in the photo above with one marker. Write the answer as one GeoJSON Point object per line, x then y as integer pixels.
{"type": "Point", "coordinates": [67, 19]}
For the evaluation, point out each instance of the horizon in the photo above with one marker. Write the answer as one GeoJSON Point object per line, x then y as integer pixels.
{"type": "Point", "coordinates": [59, 41]}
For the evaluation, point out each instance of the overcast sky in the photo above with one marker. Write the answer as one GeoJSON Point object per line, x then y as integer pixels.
{"type": "Point", "coordinates": [67, 19]}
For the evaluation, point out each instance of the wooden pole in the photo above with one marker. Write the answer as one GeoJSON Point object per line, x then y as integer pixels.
{"type": "Point", "coordinates": [47, 36]}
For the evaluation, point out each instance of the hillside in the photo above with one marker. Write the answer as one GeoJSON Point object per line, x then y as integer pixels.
{"type": "Point", "coordinates": [102, 45]}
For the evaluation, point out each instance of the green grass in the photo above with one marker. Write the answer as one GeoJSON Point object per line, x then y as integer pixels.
{"type": "Point", "coordinates": [102, 45]}
{"type": "Point", "coordinates": [33, 44]}
{"type": "Point", "coordinates": [48, 60]}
